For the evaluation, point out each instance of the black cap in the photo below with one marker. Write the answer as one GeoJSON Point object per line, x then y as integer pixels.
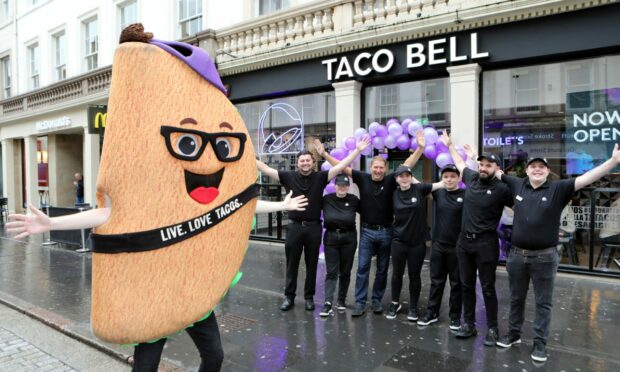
{"type": "Point", "coordinates": [450, 168]}
{"type": "Point", "coordinates": [402, 169]}
{"type": "Point", "coordinates": [542, 160]}
{"type": "Point", "coordinates": [489, 157]}
{"type": "Point", "coordinates": [342, 179]}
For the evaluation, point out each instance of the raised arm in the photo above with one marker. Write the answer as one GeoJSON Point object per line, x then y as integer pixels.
{"type": "Point", "coordinates": [361, 145]}
{"type": "Point", "coordinates": [447, 140]}
{"type": "Point", "coordinates": [438, 185]}
{"type": "Point", "coordinates": [415, 156]}
{"type": "Point", "coordinates": [320, 149]}
{"type": "Point", "coordinates": [36, 222]}
{"type": "Point", "coordinates": [297, 203]}
{"type": "Point", "coordinates": [264, 168]}
{"type": "Point", "coordinates": [598, 172]}
{"type": "Point", "coordinates": [472, 154]}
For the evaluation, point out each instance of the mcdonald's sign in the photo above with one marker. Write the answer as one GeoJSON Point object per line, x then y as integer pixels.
{"type": "Point", "coordinates": [97, 119]}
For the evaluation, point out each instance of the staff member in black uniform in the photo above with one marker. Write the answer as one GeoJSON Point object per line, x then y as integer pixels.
{"type": "Point", "coordinates": [443, 261]}
{"type": "Point", "coordinates": [303, 233]}
{"type": "Point", "coordinates": [340, 241]}
{"type": "Point", "coordinates": [535, 230]}
{"type": "Point", "coordinates": [376, 191]}
{"type": "Point", "coordinates": [410, 234]}
{"type": "Point", "coordinates": [477, 247]}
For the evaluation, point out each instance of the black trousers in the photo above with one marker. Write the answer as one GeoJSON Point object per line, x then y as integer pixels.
{"type": "Point", "coordinates": [413, 257]}
{"type": "Point", "coordinates": [306, 239]}
{"type": "Point", "coordinates": [444, 263]}
{"type": "Point", "coordinates": [481, 255]}
{"type": "Point", "coordinates": [206, 336]}
{"type": "Point", "coordinates": [339, 255]}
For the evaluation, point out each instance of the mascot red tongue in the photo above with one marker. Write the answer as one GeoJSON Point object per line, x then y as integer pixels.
{"type": "Point", "coordinates": [165, 258]}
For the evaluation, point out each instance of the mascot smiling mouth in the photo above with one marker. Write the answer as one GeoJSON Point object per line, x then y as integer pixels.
{"type": "Point", "coordinates": [203, 188]}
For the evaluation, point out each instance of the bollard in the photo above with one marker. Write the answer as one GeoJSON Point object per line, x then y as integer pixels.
{"type": "Point", "coordinates": [48, 241]}
{"type": "Point", "coordinates": [83, 247]}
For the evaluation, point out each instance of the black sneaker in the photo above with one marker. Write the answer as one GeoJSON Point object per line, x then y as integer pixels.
{"type": "Point", "coordinates": [413, 315]}
{"type": "Point", "coordinates": [455, 325]}
{"type": "Point", "coordinates": [428, 318]}
{"type": "Point", "coordinates": [466, 331]}
{"type": "Point", "coordinates": [539, 352]}
{"type": "Point", "coordinates": [491, 337]}
{"type": "Point", "coordinates": [508, 340]}
{"type": "Point", "coordinates": [341, 305]}
{"type": "Point", "coordinates": [393, 310]}
{"type": "Point", "coordinates": [377, 308]}
{"type": "Point", "coordinates": [327, 310]}
{"type": "Point", "coordinates": [358, 311]}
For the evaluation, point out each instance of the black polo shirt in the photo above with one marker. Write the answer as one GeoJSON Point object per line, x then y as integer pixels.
{"type": "Point", "coordinates": [448, 215]}
{"type": "Point", "coordinates": [376, 198]}
{"type": "Point", "coordinates": [339, 213]}
{"type": "Point", "coordinates": [311, 186]}
{"type": "Point", "coordinates": [536, 223]}
{"type": "Point", "coordinates": [410, 213]}
{"type": "Point", "coordinates": [484, 202]}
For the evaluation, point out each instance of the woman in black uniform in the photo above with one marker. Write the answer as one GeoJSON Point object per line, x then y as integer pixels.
{"type": "Point", "coordinates": [340, 242]}
{"type": "Point", "coordinates": [409, 241]}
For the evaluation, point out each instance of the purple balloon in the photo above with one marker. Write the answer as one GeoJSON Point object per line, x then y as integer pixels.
{"type": "Point", "coordinates": [372, 128]}
{"type": "Point", "coordinates": [443, 159]}
{"type": "Point", "coordinates": [462, 185]}
{"type": "Point", "coordinates": [431, 135]}
{"type": "Point", "coordinates": [378, 143]}
{"type": "Point", "coordinates": [395, 129]}
{"type": "Point", "coordinates": [403, 142]}
{"type": "Point", "coordinates": [330, 189]}
{"type": "Point", "coordinates": [381, 131]}
{"type": "Point", "coordinates": [414, 144]}
{"type": "Point", "coordinates": [430, 152]}
{"type": "Point", "coordinates": [471, 164]}
{"type": "Point", "coordinates": [392, 120]}
{"type": "Point", "coordinates": [359, 133]}
{"type": "Point", "coordinates": [326, 166]}
{"type": "Point", "coordinates": [441, 147]}
{"type": "Point", "coordinates": [390, 141]}
{"type": "Point", "coordinates": [338, 153]}
{"type": "Point", "coordinates": [405, 124]}
{"type": "Point", "coordinates": [414, 126]}
{"type": "Point", "coordinates": [350, 143]}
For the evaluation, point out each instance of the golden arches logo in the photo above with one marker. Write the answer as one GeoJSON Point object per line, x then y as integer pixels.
{"type": "Point", "coordinates": [100, 119]}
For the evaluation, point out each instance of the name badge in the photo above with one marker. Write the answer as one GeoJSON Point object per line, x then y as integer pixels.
{"type": "Point", "coordinates": [459, 200]}
{"type": "Point", "coordinates": [519, 198]}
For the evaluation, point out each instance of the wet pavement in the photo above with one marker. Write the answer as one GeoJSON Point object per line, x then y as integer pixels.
{"type": "Point", "coordinates": [53, 285]}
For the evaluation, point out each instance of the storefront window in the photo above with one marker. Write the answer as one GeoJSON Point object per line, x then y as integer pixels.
{"type": "Point", "coordinates": [568, 113]}
{"type": "Point", "coordinates": [279, 129]}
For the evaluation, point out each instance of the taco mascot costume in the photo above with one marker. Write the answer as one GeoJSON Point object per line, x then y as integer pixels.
{"type": "Point", "coordinates": [178, 169]}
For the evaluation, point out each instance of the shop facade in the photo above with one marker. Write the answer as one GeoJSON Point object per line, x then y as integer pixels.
{"type": "Point", "coordinates": [547, 86]}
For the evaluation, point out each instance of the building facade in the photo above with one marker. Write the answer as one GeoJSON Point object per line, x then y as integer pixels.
{"type": "Point", "coordinates": [520, 78]}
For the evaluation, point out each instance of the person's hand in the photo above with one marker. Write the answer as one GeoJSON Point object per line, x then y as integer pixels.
{"type": "Point", "coordinates": [446, 139]}
{"type": "Point", "coordinates": [616, 154]}
{"type": "Point", "coordinates": [23, 225]}
{"type": "Point", "coordinates": [363, 143]}
{"type": "Point", "coordinates": [498, 173]}
{"type": "Point", "coordinates": [318, 146]}
{"type": "Point", "coordinates": [297, 203]}
{"type": "Point", "coordinates": [420, 139]}
{"type": "Point", "coordinates": [471, 152]}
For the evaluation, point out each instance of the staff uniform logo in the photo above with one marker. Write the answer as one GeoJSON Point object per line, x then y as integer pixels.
{"type": "Point", "coordinates": [519, 198]}
{"type": "Point", "coordinates": [459, 200]}
{"type": "Point", "coordinates": [414, 200]}
{"type": "Point", "coordinates": [488, 192]}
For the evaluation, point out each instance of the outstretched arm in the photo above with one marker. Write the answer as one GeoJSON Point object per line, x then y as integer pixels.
{"type": "Point", "coordinates": [598, 172]}
{"type": "Point", "coordinates": [412, 160]}
{"type": "Point", "coordinates": [297, 203]}
{"type": "Point", "coordinates": [447, 140]}
{"type": "Point", "coordinates": [320, 149]}
{"type": "Point", "coordinates": [23, 225]}
{"type": "Point", "coordinates": [438, 185]}
{"type": "Point", "coordinates": [270, 172]}
{"type": "Point", "coordinates": [361, 145]}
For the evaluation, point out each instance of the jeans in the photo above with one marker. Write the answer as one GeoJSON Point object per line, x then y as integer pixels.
{"type": "Point", "coordinates": [206, 337]}
{"type": "Point", "coordinates": [444, 264]}
{"type": "Point", "coordinates": [541, 270]}
{"type": "Point", "coordinates": [79, 200]}
{"type": "Point", "coordinates": [300, 239]}
{"type": "Point", "coordinates": [413, 257]}
{"type": "Point", "coordinates": [339, 254]}
{"type": "Point", "coordinates": [372, 242]}
{"type": "Point", "coordinates": [481, 255]}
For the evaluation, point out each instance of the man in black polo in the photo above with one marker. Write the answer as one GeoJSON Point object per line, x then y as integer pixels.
{"type": "Point", "coordinates": [376, 191]}
{"type": "Point", "coordinates": [303, 233]}
{"type": "Point", "coordinates": [538, 204]}
{"type": "Point", "coordinates": [477, 247]}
